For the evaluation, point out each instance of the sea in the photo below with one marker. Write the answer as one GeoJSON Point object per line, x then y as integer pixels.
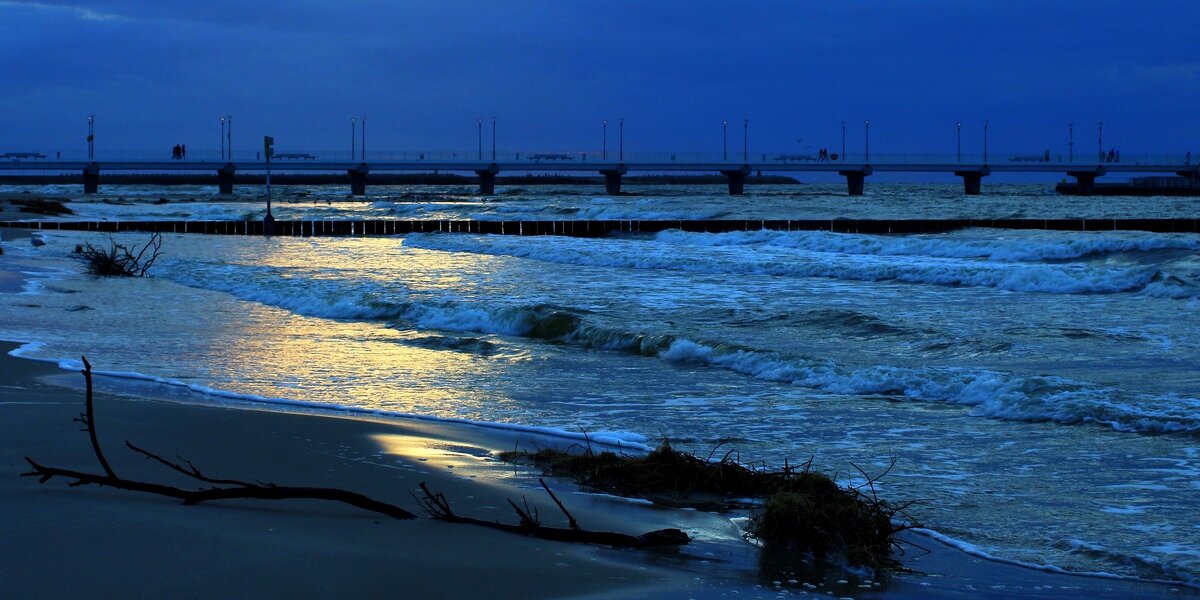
{"type": "Point", "coordinates": [1035, 394]}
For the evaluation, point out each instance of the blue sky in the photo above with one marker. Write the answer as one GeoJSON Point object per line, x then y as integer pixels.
{"type": "Point", "coordinates": [160, 72]}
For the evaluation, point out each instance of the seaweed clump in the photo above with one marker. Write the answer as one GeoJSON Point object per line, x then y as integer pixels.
{"type": "Point", "coordinates": [41, 206]}
{"type": "Point", "coordinates": [797, 508]}
{"type": "Point", "coordinates": [119, 260]}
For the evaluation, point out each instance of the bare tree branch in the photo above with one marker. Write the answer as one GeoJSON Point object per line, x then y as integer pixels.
{"type": "Point", "coordinates": [439, 508]}
{"type": "Point", "coordinates": [229, 489]}
{"type": "Point", "coordinates": [237, 489]}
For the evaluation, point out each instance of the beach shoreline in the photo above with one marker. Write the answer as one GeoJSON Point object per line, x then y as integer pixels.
{"type": "Point", "coordinates": [322, 544]}
{"type": "Point", "coordinates": [134, 545]}
{"type": "Point", "coordinates": [124, 544]}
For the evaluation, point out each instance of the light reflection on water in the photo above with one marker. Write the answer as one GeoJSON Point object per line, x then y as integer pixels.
{"type": "Point", "coordinates": [1079, 496]}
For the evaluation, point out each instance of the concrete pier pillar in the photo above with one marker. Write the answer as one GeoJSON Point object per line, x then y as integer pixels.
{"type": "Point", "coordinates": [855, 180]}
{"type": "Point", "coordinates": [487, 180]}
{"type": "Point", "coordinates": [737, 180]}
{"type": "Point", "coordinates": [91, 179]}
{"type": "Point", "coordinates": [973, 180]}
{"type": "Point", "coordinates": [1086, 180]}
{"type": "Point", "coordinates": [612, 180]}
{"type": "Point", "coordinates": [358, 180]}
{"type": "Point", "coordinates": [225, 178]}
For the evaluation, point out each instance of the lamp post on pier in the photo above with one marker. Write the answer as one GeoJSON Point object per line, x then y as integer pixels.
{"type": "Point", "coordinates": [362, 152]}
{"type": "Point", "coordinates": [1070, 142]}
{"type": "Point", "coordinates": [229, 136]}
{"type": "Point", "coordinates": [493, 138]}
{"type": "Point", "coordinates": [725, 141]}
{"type": "Point", "coordinates": [958, 133]}
{"type": "Point", "coordinates": [745, 140]}
{"type": "Point", "coordinates": [867, 140]}
{"type": "Point", "coordinates": [843, 140]}
{"type": "Point", "coordinates": [353, 136]}
{"type": "Point", "coordinates": [479, 138]}
{"type": "Point", "coordinates": [222, 137]}
{"type": "Point", "coordinates": [91, 138]}
{"type": "Point", "coordinates": [1100, 138]}
{"type": "Point", "coordinates": [604, 142]}
{"type": "Point", "coordinates": [985, 154]}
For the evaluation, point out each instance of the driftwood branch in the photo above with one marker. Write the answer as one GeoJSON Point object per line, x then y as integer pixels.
{"type": "Point", "coordinates": [233, 489]}
{"type": "Point", "coordinates": [89, 420]}
{"type": "Point", "coordinates": [118, 260]}
{"type": "Point", "coordinates": [435, 504]}
{"type": "Point", "coordinates": [438, 507]}
{"type": "Point", "coordinates": [570, 518]}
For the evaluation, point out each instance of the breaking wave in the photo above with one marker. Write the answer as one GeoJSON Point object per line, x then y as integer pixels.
{"type": "Point", "coordinates": [989, 393]}
{"type": "Point", "coordinates": [1021, 246]}
{"type": "Point", "coordinates": [647, 254]}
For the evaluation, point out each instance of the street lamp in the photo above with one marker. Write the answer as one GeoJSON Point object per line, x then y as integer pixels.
{"type": "Point", "coordinates": [745, 140]}
{"type": "Point", "coordinates": [1100, 138]}
{"type": "Point", "coordinates": [493, 138]}
{"type": "Point", "coordinates": [725, 141]}
{"type": "Point", "coordinates": [1070, 142]}
{"type": "Point", "coordinates": [479, 138]}
{"type": "Point", "coordinates": [91, 138]}
{"type": "Point", "coordinates": [867, 140]}
{"type": "Point", "coordinates": [843, 140]}
{"type": "Point", "coordinates": [985, 158]}
{"type": "Point", "coordinates": [222, 137]}
{"type": "Point", "coordinates": [604, 143]}
{"type": "Point", "coordinates": [621, 140]}
{"type": "Point", "coordinates": [958, 132]}
{"type": "Point", "coordinates": [353, 136]}
{"type": "Point", "coordinates": [229, 136]}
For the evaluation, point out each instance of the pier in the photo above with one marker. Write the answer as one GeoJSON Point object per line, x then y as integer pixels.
{"type": "Point", "coordinates": [856, 173]}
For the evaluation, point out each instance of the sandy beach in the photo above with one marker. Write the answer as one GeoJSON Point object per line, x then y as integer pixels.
{"type": "Point", "coordinates": [59, 542]}
{"type": "Point", "coordinates": [56, 541]}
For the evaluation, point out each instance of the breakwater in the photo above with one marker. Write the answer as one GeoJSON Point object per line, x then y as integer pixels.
{"type": "Point", "coordinates": [598, 228]}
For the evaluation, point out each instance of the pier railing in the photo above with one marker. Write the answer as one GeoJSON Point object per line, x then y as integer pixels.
{"type": "Point", "coordinates": [553, 157]}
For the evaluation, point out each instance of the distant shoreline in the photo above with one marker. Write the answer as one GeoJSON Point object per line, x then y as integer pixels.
{"type": "Point", "coordinates": [384, 179]}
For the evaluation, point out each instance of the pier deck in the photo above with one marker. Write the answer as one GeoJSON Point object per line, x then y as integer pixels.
{"type": "Point", "coordinates": [735, 172]}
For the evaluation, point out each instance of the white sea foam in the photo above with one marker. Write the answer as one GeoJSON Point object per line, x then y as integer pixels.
{"type": "Point", "coordinates": [1020, 246]}
{"type": "Point", "coordinates": [1167, 575]}
{"type": "Point", "coordinates": [617, 439]}
{"type": "Point", "coordinates": [1016, 277]}
{"type": "Point", "coordinates": [989, 393]}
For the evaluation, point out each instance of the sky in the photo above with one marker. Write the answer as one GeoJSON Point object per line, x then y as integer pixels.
{"type": "Point", "coordinates": [160, 72]}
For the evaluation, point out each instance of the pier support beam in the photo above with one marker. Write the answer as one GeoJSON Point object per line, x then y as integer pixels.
{"type": "Point", "coordinates": [487, 180]}
{"type": "Point", "coordinates": [358, 180]}
{"type": "Point", "coordinates": [973, 180]}
{"type": "Point", "coordinates": [91, 179]}
{"type": "Point", "coordinates": [855, 180]}
{"type": "Point", "coordinates": [737, 180]}
{"type": "Point", "coordinates": [225, 178]}
{"type": "Point", "coordinates": [1086, 180]}
{"type": "Point", "coordinates": [612, 180]}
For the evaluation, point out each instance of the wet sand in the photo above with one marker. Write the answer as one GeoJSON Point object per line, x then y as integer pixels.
{"type": "Point", "coordinates": [60, 542]}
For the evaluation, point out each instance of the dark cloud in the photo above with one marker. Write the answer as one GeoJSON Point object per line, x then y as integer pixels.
{"type": "Point", "coordinates": [160, 72]}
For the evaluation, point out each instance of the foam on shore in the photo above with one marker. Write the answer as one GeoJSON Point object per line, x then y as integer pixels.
{"type": "Point", "coordinates": [619, 440]}
{"type": "Point", "coordinates": [1169, 576]}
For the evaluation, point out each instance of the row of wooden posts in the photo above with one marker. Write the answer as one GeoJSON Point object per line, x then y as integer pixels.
{"type": "Point", "coordinates": [379, 227]}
